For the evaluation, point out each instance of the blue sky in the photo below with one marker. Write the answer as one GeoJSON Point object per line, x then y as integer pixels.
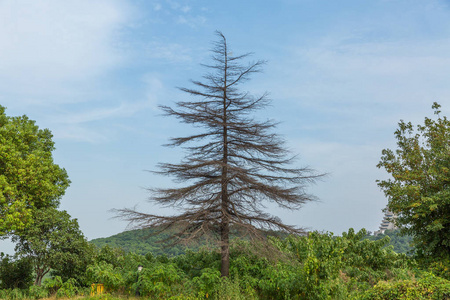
{"type": "Point", "coordinates": [340, 74]}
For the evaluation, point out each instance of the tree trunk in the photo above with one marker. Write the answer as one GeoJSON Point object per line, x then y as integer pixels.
{"type": "Point", "coordinates": [39, 276]}
{"type": "Point", "coordinates": [225, 249]}
{"type": "Point", "coordinates": [40, 273]}
{"type": "Point", "coordinates": [225, 223]}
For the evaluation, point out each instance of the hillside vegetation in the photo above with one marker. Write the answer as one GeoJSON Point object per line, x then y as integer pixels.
{"type": "Point", "coordinates": [400, 243]}
{"type": "Point", "coordinates": [316, 266]}
{"type": "Point", "coordinates": [144, 241]}
{"type": "Point", "coordinates": [140, 241]}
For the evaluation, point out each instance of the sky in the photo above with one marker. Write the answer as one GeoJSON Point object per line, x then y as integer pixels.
{"type": "Point", "coordinates": [341, 75]}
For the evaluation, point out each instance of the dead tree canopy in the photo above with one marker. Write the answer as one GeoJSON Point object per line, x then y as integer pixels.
{"type": "Point", "coordinates": [232, 167]}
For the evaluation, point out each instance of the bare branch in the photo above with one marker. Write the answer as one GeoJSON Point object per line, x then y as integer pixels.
{"type": "Point", "coordinates": [232, 168]}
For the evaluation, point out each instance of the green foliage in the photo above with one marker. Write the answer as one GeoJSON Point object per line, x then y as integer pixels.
{"type": "Point", "coordinates": [13, 294]}
{"type": "Point", "coordinates": [229, 289]}
{"type": "Point", "coordinates": [73, 260]}
{"type": "Point", "coordinates": [193, 263]}
{"type": "Point", "coordinates": [419, 189]}
{"type": "Point", "coordinates": [401, 243]}
{"type": "Point", "coordinates": [68, 289]}
{"type": "Point", "coordinates": [313, 267]}
{"type": "Point", "coordinates": [55, 286]}
{"type": "Point", "coordinates": [310, 272]}
{"type": "Point", "coordinates": [207, 283]}
{"type": "Point", "coordinates": [54, 242]}
{"type": "Point", "coordinates": [160, 281]}
{"type": "Point", "coordinates": [110, 255]}
{"type": "Point", "coordinates": [37, 292]}
{"type": "Point", "coordinates": [322, 266]}
{"type": "Point", "coordinates": [15, 273]}
{"type": "Point", "coordinates": [142, 241]}
{"type": "Point", "coordinates": [115, 269]}
{"type": "Point", "coordinates": [439, 267]}
{"type": "Point", "coordinates": [110, 276]}
{"type": "Point", "coordinates": [368, 261]}
{"type": "Point", "coordinates": [52, 285]}
{"type": "Point", "coordinates": [29, 179]}
{"type": "Point", "coordinates": [428, 287]}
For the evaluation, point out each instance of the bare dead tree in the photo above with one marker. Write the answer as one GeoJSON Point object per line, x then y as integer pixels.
{"type": "Point", "coordinates": [232, 168]}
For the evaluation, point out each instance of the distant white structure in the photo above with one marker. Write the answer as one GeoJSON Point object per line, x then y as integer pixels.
{"type": "Point", "coordinates": [387, 223]}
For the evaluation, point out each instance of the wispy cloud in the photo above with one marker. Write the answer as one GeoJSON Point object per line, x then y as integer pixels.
{"type": "Point", "coordinates": [154, 89]}
{"type": "Point", "coordinates": [48, 46]}
{"type": "Point", "coordinates": [183, 12]}
{"type": "Point", "coordinates": [171, 52]}
{"type": "Point", "coordinates": [79, 125]}
{"type": "Point", "coordinates": [157, 7]}
{"type": "Point", "coordinates": [382, 69]}
{"type": "Point", "coordinates": [79, 133]}
{"type": "Point", "coordinates": [192, 21]}
{"type": "Point", "coordinates": [95, 125]}
{"type": "Point", "coordinates": [124, 110]}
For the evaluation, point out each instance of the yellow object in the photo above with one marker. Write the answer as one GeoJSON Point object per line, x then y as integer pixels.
{"type": "Point", "coordinates": [97, 289]}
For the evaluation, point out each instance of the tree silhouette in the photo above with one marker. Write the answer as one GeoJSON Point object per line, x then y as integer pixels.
{"type": "Point", "coordinates": [232, 167]}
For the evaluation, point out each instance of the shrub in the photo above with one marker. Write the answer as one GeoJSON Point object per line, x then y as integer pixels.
{"type": "Point", "coordinates": [68, 289]}
{"type": "Point", "coordinates": [15, 273]}
{"type": "Point", "coordinates": [159, 280]}
{"type": "Point", "coordinates": [52, 285]}
{"type": "Point", "coordinates": [229, 289]}
{"type": "Point", "coordinates": [107, 274]}
{"type": "Point", "coordinates": [12, 294]}
{"type": "Point", "coordinates": [206, 284]}
{"type": "Point", "coordinates": [37, 292]}
{"type": "Point", "coordinates": [428, 287]}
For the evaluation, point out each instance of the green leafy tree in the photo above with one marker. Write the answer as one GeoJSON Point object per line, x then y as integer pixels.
{"type": "Point", "coordinates": [54, 242]}
{"type": "Point", "coordinates": [400, 242]}
{"type": "Point", "coordinates": [419, 190]}
{"type": "Point", "coordinates": [29, 179]}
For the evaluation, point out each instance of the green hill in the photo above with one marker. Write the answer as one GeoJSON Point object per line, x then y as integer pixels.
{"type": "Point", "coordinates": [140, 241]}
{"type": "Point", "coordinates": [143, 241]}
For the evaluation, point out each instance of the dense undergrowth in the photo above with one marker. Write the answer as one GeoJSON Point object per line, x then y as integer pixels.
{"type": "Point", "coordinates": [317, 266]}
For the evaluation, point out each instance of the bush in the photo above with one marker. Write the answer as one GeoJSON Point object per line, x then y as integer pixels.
{"type": "Point", "coordinates": [15, 273]}
{"type": "Point", "coordinates": [207, 283]}
{"type": "Point", "coordinates": [159, 280]}
{"type": "Point", "coordinates": [52, 285]}
{"type": "Point", "coordinates": [438, 266]}
{"type": "Point", "coordinates": [38, 292]}
{"type": "Point", "coordinates": [428, 287]}
{"type": "Point", "coordinates": [192, 263]}
{"type": "Point", "coordinates": [107, 274]}
{"type": "Point", "coordinates": [228, 289]}
{"type": "Point", "coordinates": [68, 289]}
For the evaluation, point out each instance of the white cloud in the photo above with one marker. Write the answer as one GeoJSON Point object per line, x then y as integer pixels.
{"type": "Point", "coordinates": [384, 71]}
{"type": "Point", "coordinates": [154, 88]}
{"type": "Point", "coordinates": [77, 133]}
{"type": "Point", "coordinates": [191, 21]}
{"type": "Point", "coordinates": [172, 52]}
{"type": "Point", "coordinates": [123, 110]}
{"type": "Point", "coordinates": [157, 7]}
{"type": "Point", "coordinates": [48, 45]}
{"type": "Point", "coordinates": [79, 125]}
